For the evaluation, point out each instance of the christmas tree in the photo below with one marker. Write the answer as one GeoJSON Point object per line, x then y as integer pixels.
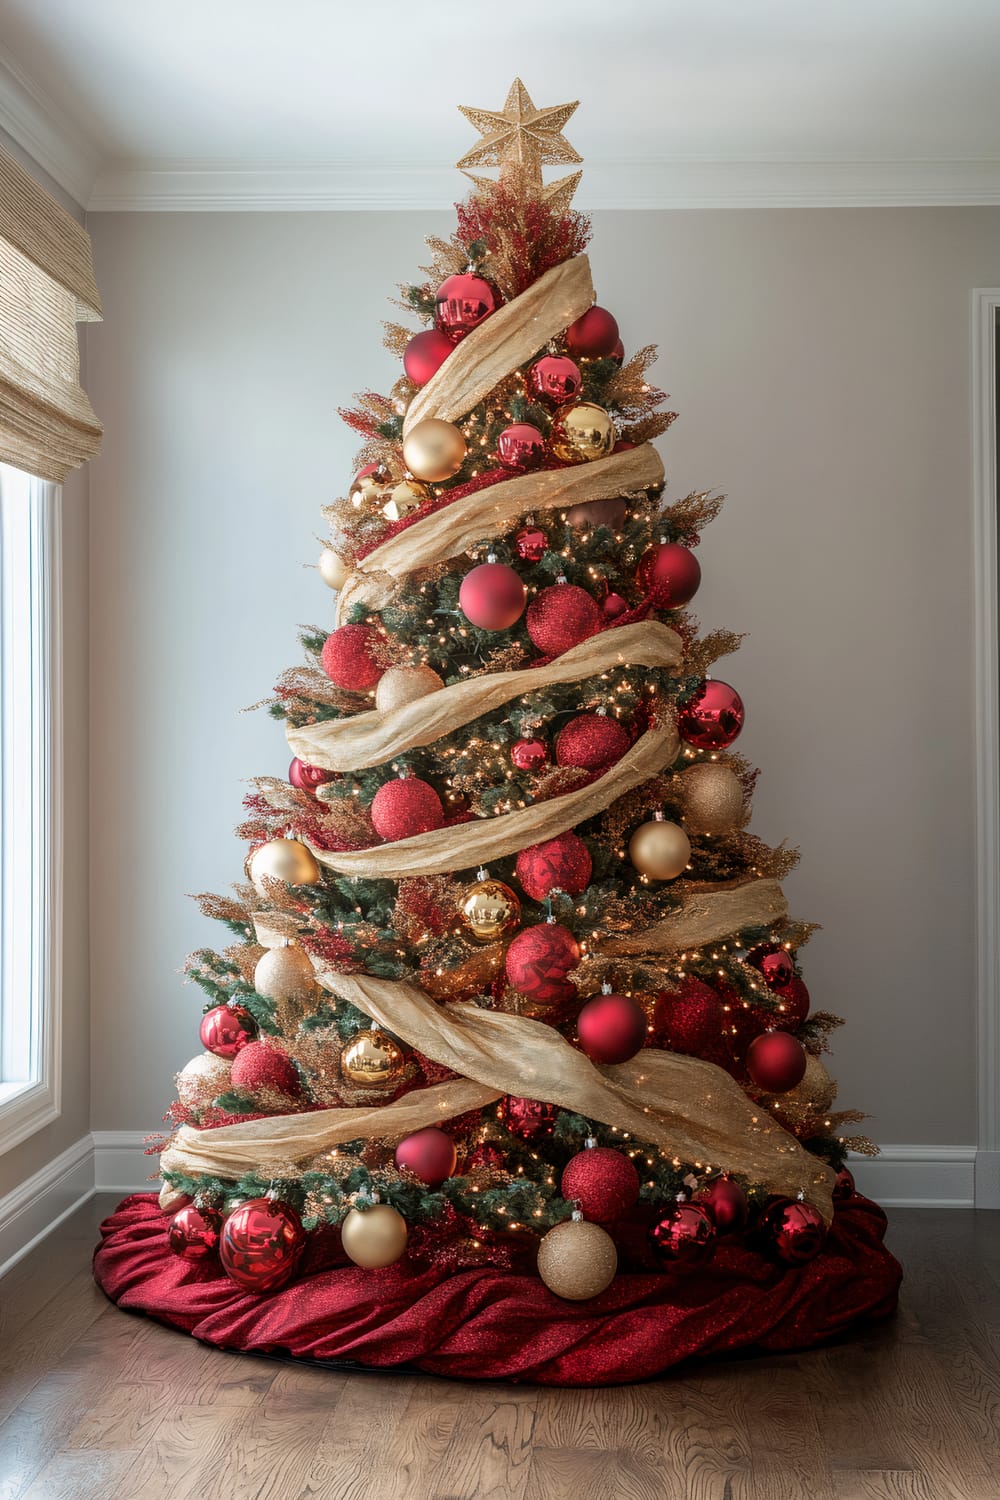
{"type": "Point", "coordinates": [510, 1010]}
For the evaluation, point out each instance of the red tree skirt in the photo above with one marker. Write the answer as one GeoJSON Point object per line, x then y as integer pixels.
{"type": "Point", "coordinates": [487, 1324]}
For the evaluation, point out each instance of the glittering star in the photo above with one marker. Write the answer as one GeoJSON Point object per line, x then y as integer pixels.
{"type": "Point", "coordinates": [520, 140]}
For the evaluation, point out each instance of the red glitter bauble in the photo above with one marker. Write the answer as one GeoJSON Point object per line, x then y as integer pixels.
{"type": "Point", "coordinates": [429, 1154]}
{"type": "Point", "coordinates": [594, 335]}
{"type": "Point", "coordinates": [349, 660]}
{"type": "Point", "coordinates": [726, 1204]}
{"type": "Point", "coordinates": [520, 446]}
{"type": "Point", "coordinates": [194, 1232]}
{"type": "Point", "coordinates": [406, 807]}
{"type": "Point", "coordinates": [539, 959]}
{"type": "Point", "coordinates": [425, 354]}
{"type": "Point", "coordinates": [794, 1005]}
{"type": "Point", "coordinates": [844, 1187]}
{"type": "Point", "coordinates": [776, 1062]}
{"type": "Point", "coordinates": [591, 741]}
{"type": "Point", "coordinates": [262, 1243]}
{"type": "Point", "coordinates": [492, 596]}
{"type": "Point", "coordinates": [592, 513]}
{"type": "Point", "coordinates": [528, 1118]}
{"type": "Point", "coordinates": [555, 378]}
{"type": "Point", "coordinates": [462, 303]}
{"type": "Point", "coordinates": [562, 863]}
{"type": "Point", "coordinates": [794, 1230]}
{"type": "Point", "coordinates": [689, 1019]}
{"type": "Point", "coordinates": [603, 1181]}
{"type": "Point", "coordinates": [562, 616]}
{"type": "Point", "coordinates": [259, 1065]}
{"type": "Point", "coordinates": [611, 1028]}
{"type": "Point", "coordinates": [683, 1236]}
{"type": "Point", "coordinates": [669, 574]}
{"type": "Point", "coordinates": [226, 1030]}
{"type": "Point", "coordinates": [306, 778]}
{"type": "Point", "coordinates": [774, 962]}
{"type": "Point", "coordinates": [713, 718]}
{"type": "Point", "coordinates": [529, 754]}
{"type": "Point", "coordinates": [613, 606]}
{"type": "Point", "coordinates": [531, 544]}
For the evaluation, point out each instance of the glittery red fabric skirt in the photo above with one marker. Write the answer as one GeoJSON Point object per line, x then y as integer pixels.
{"type": "Point", "coordinates": [487, 1324]}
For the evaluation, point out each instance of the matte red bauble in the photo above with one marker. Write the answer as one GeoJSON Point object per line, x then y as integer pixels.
{"type": "Point", "coordinates": [726, 1204]}
{"type": "Point", "coordinates": [531, 544]}
{"type": "Point", "coordinates": [520, 446]}
{"type": "Point", "coordinates": [683, 1236]}
{"type": "Point", "coordinates": [613, 606]}
{"type": "Point", "coordinates": [262, 1243]}
{"type": "Point", "coordinates": [529, 754]}
{"type": "Point", "coordinates": [406, 807]}
{"type": "Point", "coordinates": [774, 962]}
{"type": "Point", "coordinates": [194, 1232]}
{"type": "Point", "coordinates": [561, 617]}
{"type": "Point", "coordinates": [349, 658]}
{"type": "Point", "coordinates": [593, 513]}
{"type": "Point", "coordinates": [528, 1118]}
{"type": "Point", "coordinates": [602, 1181]}
{"type": "Point", "coordinates": [591, 741]}
{"type": "Point", "coordinates": [562, 863]}
{"type": "Point", "coordinates": [794, 1230]}
{"type": "Point", "coordinates": [425, 354]}
{"type": "Point", "coordinates": [259, 1065]}
{"type": "Point", "coordinates": [843, 1187]}
{"type": "Point", "coordinates": [555, 378]}
{"type": "Point", "coordinates": [794, 1005]}
{"type": "Point", "coordinates": [713, 718]}
{"type": "Point", "coordinates": [226, 1030]}
{"type": "Point", "coordinates": [618, 352]}
{"type": "Point", "coordinates": [462, 302]}
{"type": "Point", "coordinates": [669, 574]}
{"type": "Point", "coordinates": [776, 1062]}
{"type": "Point", "coordinates": [538, 960]}
{"type": "Point", "coordinates": [306, 778]}
{"type": "Point", "coordinates": [611, 1028]}
{"type": "Point", "coordinates": [429, 1154]}
{"type": "Point", "coordinates": [594, 335]}
{"type": "Point", "coordinates": [689, 1019]}
{"type": "Point", "coordinates": [492, 596]}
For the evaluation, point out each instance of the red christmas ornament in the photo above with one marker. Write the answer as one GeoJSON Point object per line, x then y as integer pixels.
{"type": "Point", "coordinates": [194, 1232]}
{"type": "Point", "coordinates": [618, 352]}
{"type": "Point", "coordinates": [462, 303]}
{"type": "Point", "coordinates": [611, 1028]}
{"type": "Point", "coordinates": [594, 335]}
{"type": "Point", "coordinates": [529, 754]}
{"type": "Point", "coordinates": [562, 863]}
{"type": "Point", "coordinates": [774, 962]}
{"type": "Point", "coordinates": [713, 718]}
{"type": "Point", "coordinates": [406, 807]}
{"type": "Point", "coordinates": [555, 378]}
{"type": "Point", "coordinates": [623, 446]}
{"type": "Point", "coordinates": [307, 778]}
{"type": "Point", "coordinates": [843, 1187]}
{"type": "Point", "coordinates": [528, 1118]}
{"type": "Point", "coordinates": [591, 741]}
{"type": "Point", "coordinates": [794, 1006]}
{"type": "Point", "coordinates": [520, 446]}
{"type": "Point", "coordinates": [726, 1204]}
{"type": "Point", "coordinates": [604, 1183]}
{"type": "Point", "coordinates": [683, 1236]}
{"type": "Point", "coordinates": [669, 574]}
{"type": "Point", "coordinates": [562, 616]}
{"type": "Point", "coordinates": [613, 606]}
{"type": "Point", "coordinates": [538, 960]}
{"type": "Point", "coordinates": [429, 1154]}
{"type": "Point", "coordinates": [262, 1243]}
{"type": "Point", "coordinates": [492, 596]}
{"type": "Point", "coordinates": [349, 658]}
{"type": "Point", "coordinates": [226, 1030]}
{"type": "Point", "coordinates": [259, 1065]}
{"type": "Point", "coordinates": [592, 513]}
{"type": "Point", "coordinates": [689, 1019]}
{"type": "Point", "coordinates": [531, 544]}
{"type": "Point", "coordinates": [776, 1062]}
{"type": "Point", "coordinates": [794, 1230]}
{"type": "Point", "coordinates": [425, 354]}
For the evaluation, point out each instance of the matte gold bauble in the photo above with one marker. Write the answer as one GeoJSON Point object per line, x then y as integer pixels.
{"type": "Point", "coordinates": [372, 1060]}
{"type": "Point", "coordinates": [489, 909]}
{"type": "Point", "coordinates": [368, 491]}
{"type": "Point", "coordinates": [399, 685]}
{"type": "Point", "coordinates": [659, 850]}
{"type": "Point", "coordinates": [285, 974]}
{"type": "Point", "coordinates": [582, 433]}
{"type": "Point", "coordinates": [282, 859]}
{"type": "Point", "coordinates": [404, 498]}
{"type": "Point", "coordinates": [203, 1079]}
{"type": "Point", "coordinates": [713, 799]}
{"type": "Point", "coordinates": [332, 569]}
{"type": "Point", "coordinates": [434, 450]}
{"type": "Point", "coordinates": [374, 1238]}
{"type": "Point", "coordinates": [577, 1260]}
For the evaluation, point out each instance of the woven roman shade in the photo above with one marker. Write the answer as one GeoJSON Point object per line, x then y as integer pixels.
{"type": "Point", "coordinates": [47, 425]}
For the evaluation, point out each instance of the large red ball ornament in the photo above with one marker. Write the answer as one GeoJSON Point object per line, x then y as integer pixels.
{"type": "Point", "coordinates": [689, 1019]}
{"type": "Point", "coordinates": [555, 378]}
{"type": "Point", "coordinates": [562, 863]}
{"type": "Point", "coordinates": [226, 1030]}
{"type": "Point", "coordinates": [776, 1062]}
{"type": "Point", "coordinates": [794, 1230]}
{"type": "Point", "coordinates": [259, 1065]}
{"type": "Point", "coordinates": [194, 1232]}
{"type": "Point", "coordinates": [669, 574]}
{"type": "Point", "coordinates": [429, 1154]}
{"type": "Point", "coordinates": [594, 335]}
{"type": "Point", "coordinates": [713, 718]}
{"type": "Point", "coordinates": [843, 1187]}
{"type": "Point", "coordinates": [726, 1204]}
{"type": "Point", "coordinates": [425, 354]}
{"type": "Point", "coordinates": [349, 658]}
{"type": "Point", "coordinates": [538, 960]}
{"type": "Point", "coordinates": [591, 741]}
{"type": "Point", "coordinates": [614, 606]}
{"type": "Point", "coordinates": [683, 1236]}
{"type": "Point", "coordinates": [561, 617]}
{"type": "Point", "coordinates": [462, 303]}
{"type": "Point", "coordinates": [530, 754]}
{"type": "Point", "coordinates": [531, 544]}
{"type": "Point", "coordinates": [306, 778]}
{"type": "Point", "coordinates": [406, 807]}
{"type": "Point", "coordinates": [492, 596]}
{"type": "Point", "coordinates": [602, 1181]}
{"type": "Point", "coordinates": [528, 1119]}
{"type": "Point", "coordinates": [520, 446]}
{"type": "Point", "coordinates": [775, 963]}
{"type": "Point", "coordinates": [611, 1028]}
{"type": "Point", "coordinates": [618, 352]}
{"type": "Point", "coordinates": [261, 1245]}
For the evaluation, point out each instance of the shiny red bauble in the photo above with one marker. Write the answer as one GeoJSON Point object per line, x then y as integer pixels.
{"type": "Point", "coordinates": [226, 1030]}
{"type": "Point", "coordinates": [531, 544]}
{"type": "Point", "coordinates": [429, 1154]}
{"type": "Point", "coordinates": [774, 963]}
{"type": "Point", "coordinates": [794, 1230]}
{"type": "Point", "coordinates": [555, 378]}
{"type": "Point", "coordinates": [689, 1019]}
{"type": "Point", "coordinates": [669, 574]}
{"type": "Point", "coordinates": [602, 1181]}
{"type": "Point", "coordinates": [528, 1119]}
{"type": "Point", "coordinates": [611, 1028]}
{"type": "Point", "coordinates": [726, 1204]}
{"type": "Point", "coordinates": [591, 741]}
{"type": "Point", "coordinates": [406, 807]}
{"type": "Point", "coordinates": [594, 335]}
{"type": "Point", "coordinates": [520, 446]}
{"type": "Point", "coordinates": [261, 1245]}
{"type": "Point", "coordinates": [194, 1232]}
{"type": "Point", "coordinates": [683, 1236]}
{"type": "Point", "coordinates": [425, 354]}
{"type": "Point", "coordinates": [349, 658]}
{"type": "Point", "coordinates": [538, 960]}
{"type": "Point", "coordinates": [843, 1187]}
{"type": "Point", "coordinates": [794, 1006]}
{"type": "Point", "coordinates": [259, 1065]}
{"type": "Point", "coordinates": [306, 778]}
{"type": "Point", "coordinates": [561, 617]}
{"type": "Point", "coordinates": [530, 754]}
{"type": "Point", "coordinates": [713, 718]}
{"type": "Point", "coordinates": [562, 863]}
{"type": "Point", "coordinates": [462, 303]}
{"type": "Point", "coordinates": [492, 596]}
{"type": "Point", "coordinates": [776, 1062]}
{"type": "Point", "coordinates": [613, 606]}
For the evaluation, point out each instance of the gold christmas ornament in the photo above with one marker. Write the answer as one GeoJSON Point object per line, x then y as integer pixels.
{"type": "Point", "coordinates": [490, 910]}
{"type": "Point", "coordinates": [659, 850]}
{"type": "Point", "coordinates": [282, 859]}
{"type": "Point", "coordinates": [582, 433]}
{"type": "Point", "coordinates": [399, 685]}
{"type": "Point", "coordinates": [471, 977]}
{"type": "Point", "coordinates": [368, 492]}
{"type": "Point", "coordinates": [285, 974]}
{"type": "Point", "coordinates": [203, 1079]}
{"type": "Point", "coordinates": [434, 450]}
{"type": "Point", "coordinates": [374, 1238]}
{"type": "Point", "coordinates": [577, 1260]}
{"type": "Point", "coordinates": [332, 569]}
{"type": "Point", "coordinates": [372, 1060]}
{"type": "Point", "coordinates": [404, 498]}
{"type": "Point", "coordinates": [713, 799]}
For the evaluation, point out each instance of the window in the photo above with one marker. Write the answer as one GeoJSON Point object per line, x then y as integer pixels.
{"type": "Point", "coordinates": [30, 853]}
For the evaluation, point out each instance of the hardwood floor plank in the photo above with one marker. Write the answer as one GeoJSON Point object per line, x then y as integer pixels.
{"type": "Point", "coordinates": [81, 1476]}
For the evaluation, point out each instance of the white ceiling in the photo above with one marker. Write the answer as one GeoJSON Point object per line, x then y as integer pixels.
{"type": "Point", "coordinates": [296, 103]}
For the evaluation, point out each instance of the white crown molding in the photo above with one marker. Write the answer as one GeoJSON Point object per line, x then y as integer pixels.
{"type": "Point", "coordinates": [52, 140]}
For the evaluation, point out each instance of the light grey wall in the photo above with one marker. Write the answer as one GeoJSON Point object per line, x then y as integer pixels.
{"type": "Point", "coordinates": [820, 363]}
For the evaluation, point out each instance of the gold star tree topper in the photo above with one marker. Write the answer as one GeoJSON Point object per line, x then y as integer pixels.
{"type": "Point", "coordinates": [520, 140]}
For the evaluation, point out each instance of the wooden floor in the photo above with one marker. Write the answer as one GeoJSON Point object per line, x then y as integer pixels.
{"type": "Point", "coordinates": [99, 1405]}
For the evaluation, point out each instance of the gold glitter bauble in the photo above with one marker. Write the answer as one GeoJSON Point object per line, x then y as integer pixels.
{"type": "Point", "coordinates": [577, 1260]}
{"type": "Point", "coordinates": [434, 450]}
{"type": "Point", "coordinates": [659, 850]}
{"type": "Point", "coordinates": [372, 1060]}
{"type": "Point", "coordinates": [404, 498]}
{"type": "Point", "coordinates": [374, 1238]}
{"type": "Point", "coordinates": [203, 1079]}
{"type": "Point", "coordinates": [489, 909]}
{"type": "Point", "coordinates": [399, 685]}
{"type": "Point", "coordinates": [582, 433]}
{"type": "Point", "coordinates": [332, 569]}
{"type": "Point", "coordinates": [285, 973]}
{"type": "Point", "coordinates": [282, 859]}
{"type": "Point", "coordinates": [368, 492]}
{"type": "Point", "coordinates": [713, 799]}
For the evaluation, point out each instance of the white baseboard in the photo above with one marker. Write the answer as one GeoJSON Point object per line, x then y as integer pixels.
{"type": "Point", "coordinates": [121, 1165]}
{"type": "Point", "coordinates": [919, 1177]}
{"type": "Point", "coordinates": [35, 1208]}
